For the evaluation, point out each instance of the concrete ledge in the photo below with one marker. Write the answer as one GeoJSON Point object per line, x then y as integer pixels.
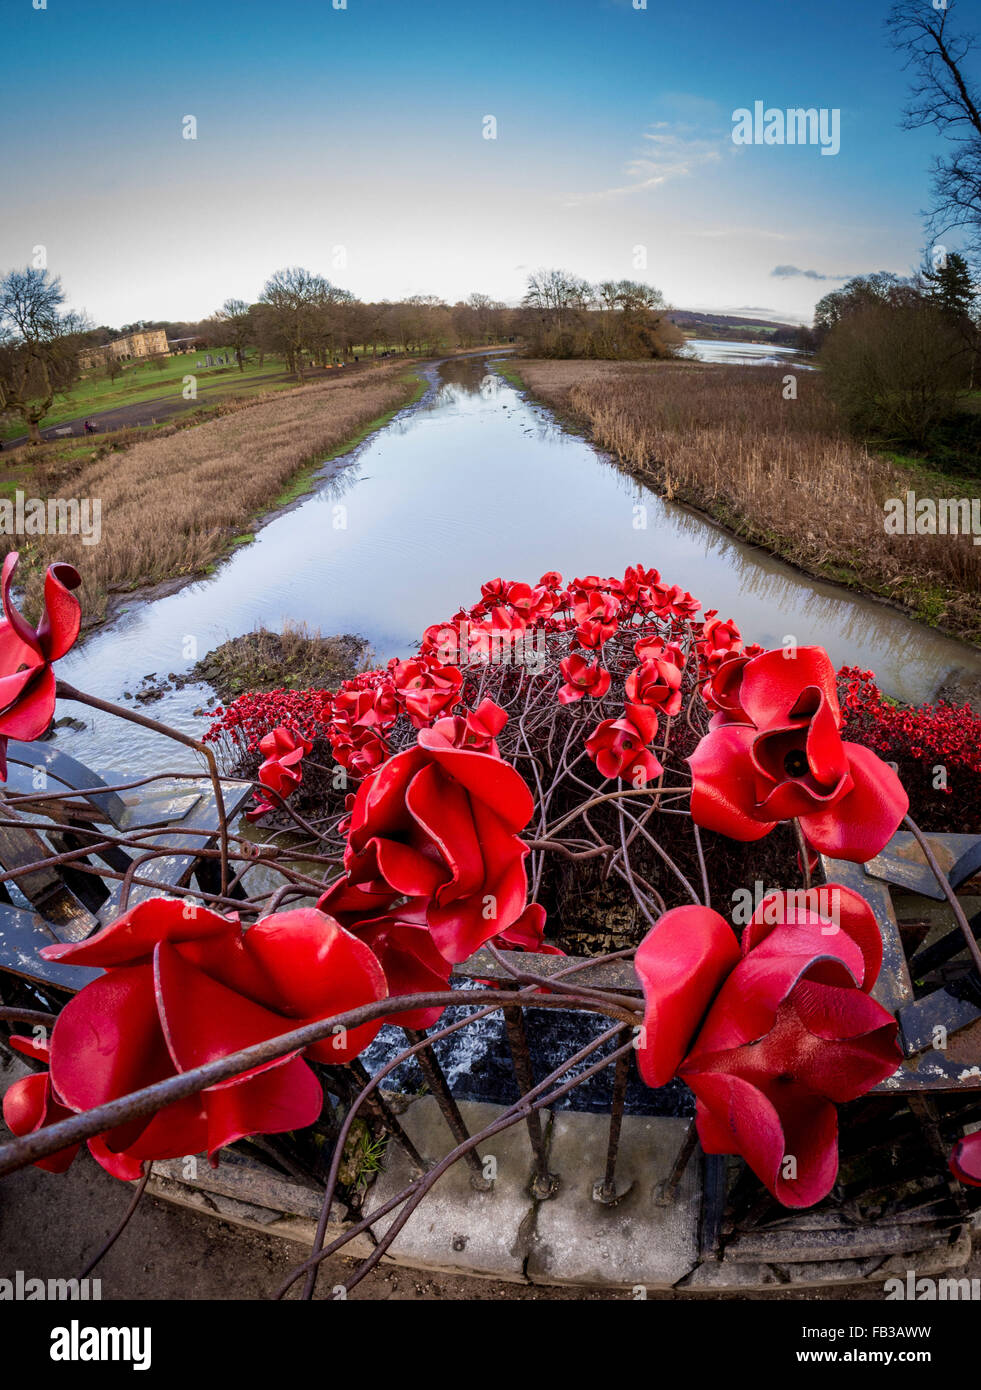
{"type": "Point", "coordinates": [635, 1242]}
{"type": "Point", "coordinates": [458, 1229]}
{"type": "Point", "coordinates": [570, 1239]}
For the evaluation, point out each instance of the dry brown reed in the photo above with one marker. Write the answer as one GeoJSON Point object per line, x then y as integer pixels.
{"type": "Point", "coordinates": [781, 472]}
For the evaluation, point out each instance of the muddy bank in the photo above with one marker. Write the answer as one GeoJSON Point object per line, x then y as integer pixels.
{"type": "Point", "coordinates": [294, 659]}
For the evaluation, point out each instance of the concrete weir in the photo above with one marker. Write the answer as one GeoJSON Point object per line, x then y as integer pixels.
{"type": "Point", "coordinates": [634, 1242]}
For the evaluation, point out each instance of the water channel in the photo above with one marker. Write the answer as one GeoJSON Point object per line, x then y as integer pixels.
{"type": "Point", "coordinates": [474, 481]}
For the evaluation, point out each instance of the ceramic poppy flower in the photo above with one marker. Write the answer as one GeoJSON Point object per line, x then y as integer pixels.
{"type": "Point", "coordinates": [427, 689]}
{"type": "Point", "coordinates": [531, 604]}
{"type": "Point", "coordinates": [597, 614]}
{"type": "Point", "coordinates": [527, 934]}
{"type": "Point", "coordinates": [719, 636]}
{"type": "Point", "coordinates": [721, 690]}
{"type": "Point", "coordinates": [640, 586]}
{"type": "Point", "coordinates": [788, 760]}
{"type": "Point", "coordinates": [582, 677]}
{"type": "Point", "coordinates": [793, 1033]}
{"type": "Point", "coordinates": [487, 638]}
{"type": "Point", "coordinates": [494, 591]}
{"type": "Point", "coordinates": [654, 647]}
{"type": "Point", "coordinates": [790, 1031]}
{"type": "Point", "coordinates": [676, 603]}
{"type": "Point", "coordinates": [618, 747]}
{"type": "Point", "coordinates": [656, 683]}
{"type": "Point", "coordinates": [282, 770]}
{"type": "Point", "coordinates": [183, 987]}
{"type": "Point", "coordinates": [27, 681]}
{"type": "Point", "coordinates": [441, 824]}
{"type": "Point", "coordinates": [965, 1159]}
{"type": "Point", "coordinates": [359, 751]}
{"type": "Point", "coordinates": [477, 729]}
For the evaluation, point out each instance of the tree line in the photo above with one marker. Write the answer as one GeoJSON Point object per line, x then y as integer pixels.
{"type": "Point", "coordinates": [307, 321]}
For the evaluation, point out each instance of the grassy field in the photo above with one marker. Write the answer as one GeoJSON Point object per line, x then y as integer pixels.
{"type": "Point", "coordinates": [145, 381]}
{"type": "Point", "coordinates": [780, 473]}
{"type": "Point", "coordinates": [176, 500]}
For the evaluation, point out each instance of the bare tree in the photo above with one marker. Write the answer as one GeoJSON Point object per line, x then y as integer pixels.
{"type": "Point", "coordinates": [945, 95]}
{"type": "Point", "coordinates": [38, 346]}
{"type": "Point", "coordinates": [236, 322]}
{"type": "Point", "coordinates": [297, 314]}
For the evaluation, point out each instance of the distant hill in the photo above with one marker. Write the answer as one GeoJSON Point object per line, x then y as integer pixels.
{"type": "Point", "coordinates": [699, 324]}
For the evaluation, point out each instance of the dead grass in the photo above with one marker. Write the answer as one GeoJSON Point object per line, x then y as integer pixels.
{"type": "Point", "coordinates": [173, 504]}
{"type": "Point", "coordinates": [779, 472]}
{"type": "Point", "coordinates": [294, 659]}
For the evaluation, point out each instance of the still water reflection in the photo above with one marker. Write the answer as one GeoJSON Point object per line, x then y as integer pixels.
{"type": "Point", "coordinates": [473, 482]}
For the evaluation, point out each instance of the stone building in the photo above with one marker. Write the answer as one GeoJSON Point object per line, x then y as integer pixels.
{"type": "Point", "coordinates": [144, 342]}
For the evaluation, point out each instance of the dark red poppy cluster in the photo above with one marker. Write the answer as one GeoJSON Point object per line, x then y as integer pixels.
{"type": "Point", "coordinates": [27, 681]}
{"type": "Point", "coordinates": [937, 749]}
{"type": "Point", "coordinates": [183, 986]}
{"type": "Point", "coordinates": [358, 721]}
{"type": "Point", "coordinates": [773, 1035]}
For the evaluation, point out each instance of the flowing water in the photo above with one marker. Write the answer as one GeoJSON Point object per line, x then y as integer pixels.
{"type": "Point", "coordinates": [473, 482]}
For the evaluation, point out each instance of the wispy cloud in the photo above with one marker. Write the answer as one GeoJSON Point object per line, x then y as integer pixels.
{"type": "Point", "coordinates": [670, 152]}
{"type": "Point", "coordinates": [754, 233]}
{"type": "Point", "coordinates": [790, 272]}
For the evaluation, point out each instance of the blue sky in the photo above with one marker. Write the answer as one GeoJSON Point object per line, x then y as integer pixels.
{"type": "Point", "coordinates": [351, 141]}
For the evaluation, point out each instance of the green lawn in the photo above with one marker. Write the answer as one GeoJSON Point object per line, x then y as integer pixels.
{"type": "Point", "coordinates": [145, 382]}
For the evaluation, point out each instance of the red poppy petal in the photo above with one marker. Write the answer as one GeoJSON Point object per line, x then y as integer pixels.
{"type": "Point", "coordinates": [203, 1020]}
{"type": "Point", "coordinates": [17, 621]}
{"type": "Point", "coordinates": [121, 1165]}
{"type": "Point", "coordinates": [62, 618]}
{"type": "Point", "coordinates": [681, 963]}
{"type": "Point", "coordinates": [722, 784]}
{"type": "Point", "coordinates": [804, 1129]}
{"type": "Point", "coordinates": [407, 869]}
{"type": "Point", "coordinates": [772, 684]}
{"type": "Point", "coordinates": [272, 1102]}
{"type": "Point", "coordinates": [828, 906]}
{"type": "Point", "coordinates": [858, 1047]}
{"type": "Point", "coordinates": [107, 1040]}
{"type": "Point", "coordinates": [315, 969]}
{"type": "Point", "coordinates": [441, 807]}
{"type": "Point", "coordinates": [29, 1105]}
{"type": "Point", "coordinates": [30, 712]}
{"type": "Point", "coordinates": [863, 822]}
{"type": "Point", "coordinates": [490, 780]}
{"type": "Point", "coordinates": [746, 1007]}
{"type": "Point", "coordinates": [965, 1159]}
{"type": "Point", "coordinates": [132, 936]}
{"type": "Point", "coordinates": [412, 965]}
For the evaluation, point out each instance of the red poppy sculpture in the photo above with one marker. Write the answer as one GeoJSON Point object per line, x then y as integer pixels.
{"type": "Point", "coordinates": [582, 677]}
{"type": "Point", "coordinates": [965, 1159]}
{"type": "Point", "coordinates": [618, 747]}
{"type": "Point", "coordinates": [790, 1030]}
{"type": "Point", "coordinates": [184, 986]}
{"type": "Point", "coordinates": [438, 823]}
{"type": "Point", "coordinates": [774, 752]}
{"type": "Point", "coordinates": [27, 681]}
{"type": "Point", "coordinates": [282, 770]}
